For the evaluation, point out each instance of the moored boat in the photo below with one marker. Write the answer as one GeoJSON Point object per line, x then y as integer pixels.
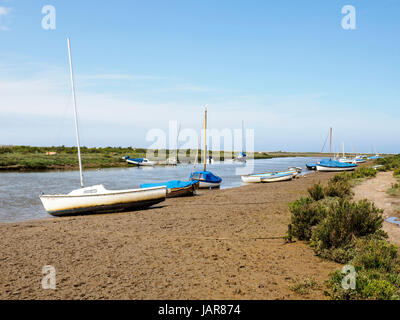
{"type": "Point", "coordinates": [139, 161]}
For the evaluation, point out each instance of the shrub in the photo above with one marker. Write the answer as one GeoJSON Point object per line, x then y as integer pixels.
{"type": "Point", "coordinates": [316, 192]}
{"type": "Point", "coordinates": [306, 213]}
{"type": "Point", "coordinates": [345, 221]}
{"type": "Point", "coordinates": [396, 173]}
{"type": "Point", "coordinates": [339, 188]}
{"type": "Point", "coordinates": [376, 254]}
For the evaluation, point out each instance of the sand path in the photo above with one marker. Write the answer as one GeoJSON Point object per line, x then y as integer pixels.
{"type": "Point", "coordinates": [375, 190]}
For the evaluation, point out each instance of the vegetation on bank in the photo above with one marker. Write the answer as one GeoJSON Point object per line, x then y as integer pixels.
{"type": "Point", "coordinates": [348, 232]}
{"type": "Point", "coordinates": [37, 158]}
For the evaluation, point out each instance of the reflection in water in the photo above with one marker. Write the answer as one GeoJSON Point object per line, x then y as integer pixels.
{"type": "Point", "coordinates": [19, 192]}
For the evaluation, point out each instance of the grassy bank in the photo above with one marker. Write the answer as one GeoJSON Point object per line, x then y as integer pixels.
{"type": "Point", "coordinates": [348, 232]}
{"type": "Point", "coordinates": [37, 158]}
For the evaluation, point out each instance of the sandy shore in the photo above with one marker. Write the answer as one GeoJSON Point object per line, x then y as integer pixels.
{"type": "Point", "coordinates": [223, 244]}
{"type": "Point", "coordinates": [375, 190]}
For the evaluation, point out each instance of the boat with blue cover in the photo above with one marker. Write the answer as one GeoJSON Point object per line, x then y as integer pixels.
{"type": "Point", "coordinates": [175, 188]}
{"type": "Point", "coordinates": [139, 161]}
{"type": "Point", "coordinates": [311, 166]}
{"type": "Point", "coordinates": [206, 178]}
{"type": "Point", "coordinates": [334, 165]}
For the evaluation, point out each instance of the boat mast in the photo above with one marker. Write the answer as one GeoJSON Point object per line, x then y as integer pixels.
{"type": "Point", "coordinates": [330, 143]}
{"type": "Point", "coordinates": [205, 138]}
{"type": "Point", "coordinates": [343, 148]}
{"type": "Point", "coordinates": [75, 112]}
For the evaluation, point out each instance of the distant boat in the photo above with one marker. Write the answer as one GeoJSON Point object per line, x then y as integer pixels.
{"type": "Point", "coordinates": [139, 161]}
{"type": "Point", "coordinates": [175, 188]}
{"type": "Point", "coordinates": [329, 165]}
{"type": "Point", "coordinates": [206, 178]}
{"type": "Point", "coordinates": [241, 156]}
{"type": "Point", "coordinates": [96, 199]}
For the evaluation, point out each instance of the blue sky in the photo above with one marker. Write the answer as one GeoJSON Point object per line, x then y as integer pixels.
{"type": "Point", "coordinates": [287, 68]}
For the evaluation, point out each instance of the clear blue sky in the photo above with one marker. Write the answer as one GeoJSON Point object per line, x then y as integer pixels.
{"type": "Point", "coordinates": [287, 68]}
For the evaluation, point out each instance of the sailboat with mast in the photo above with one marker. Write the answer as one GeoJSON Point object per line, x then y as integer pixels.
{"type": "Point", "coordinates": [330, 164]}
{"type": "Point", "coordinates": [206, 178]}
{"type": "Point", "coordinates": [241, 157]}
{"type": "Point", "coordinates": [97, 199]}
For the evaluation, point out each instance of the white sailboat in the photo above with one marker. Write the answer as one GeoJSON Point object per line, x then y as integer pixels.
{"type": "Point", "coordinates": [96, 199]}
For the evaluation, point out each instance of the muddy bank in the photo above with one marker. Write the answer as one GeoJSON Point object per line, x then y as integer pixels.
{"type": "Point", "coordinates": [223, 244]}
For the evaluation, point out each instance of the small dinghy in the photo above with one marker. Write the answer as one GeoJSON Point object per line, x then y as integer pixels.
{"type": "Point", "coordinates": [258, 177]}
{"type": "Point", "coordinates": [277, 177]}
{"type": "Point", "coordinates": [175, 188]}
{"type": "Point", "coordinates": [206, 179]}
{"type": "Point", "coordinates": [139, 161]}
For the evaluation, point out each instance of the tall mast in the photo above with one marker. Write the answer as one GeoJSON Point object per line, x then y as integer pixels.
{"type": "Point", "coordinates": [243, 146]}
{"type": "Point", "coordinates": [330, 144]}
{"type": "Point", "coordinates": [343, 148]}
{"type": "Point", "coordinates": [75, 112]}
{"type": "Point", "coordinates": [205, 137]}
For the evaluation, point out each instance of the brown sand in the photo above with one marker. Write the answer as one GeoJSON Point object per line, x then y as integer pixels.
{"type": "Point", "coordinates": [223, 244]}
{"type": "Point", "coordinates": [375, 190]}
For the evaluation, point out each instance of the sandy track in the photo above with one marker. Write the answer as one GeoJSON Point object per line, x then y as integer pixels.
{"type": "Point", "coordinates": [224, 244]}
{"type": "Point", "coordinates": [375, 190]}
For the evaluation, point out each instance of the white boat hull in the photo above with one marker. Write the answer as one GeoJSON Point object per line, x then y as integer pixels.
{"type": "Point", "coordinates": [276, 179]}
{"type": "Point", "coordinates": [141, 164]}
{"type": "Point", "coordinates": [208, 185]}
{"type": "Point", "coordinates": [251, 179]}
{"type": "Point", "coordinates": [96, 199]}
{"type": "Point", "coordinates": [334, 169]}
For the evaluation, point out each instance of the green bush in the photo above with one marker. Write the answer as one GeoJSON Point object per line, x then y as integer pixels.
{"type": "Point", "coordinates": [339, 188]}
{"type": "Point", "coordinates": [306, 213]}
{"type": "Point", "coordinates": [396, 173]}
{"type": "Point", "coordinates": [377, 273]}
{"type": "Point", "coordinates": [376, 254]}
{"type": "Point", "coordinates": [346, 221]}
{"type": "Point", "coordinates": [316, 192]}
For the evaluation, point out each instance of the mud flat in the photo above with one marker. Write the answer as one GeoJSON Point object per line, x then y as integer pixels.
{"type": "Point", "coordinates": [223, 244]}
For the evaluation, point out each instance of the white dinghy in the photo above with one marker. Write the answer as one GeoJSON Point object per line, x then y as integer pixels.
{"type": "Point", "coordinates": [98, 199]}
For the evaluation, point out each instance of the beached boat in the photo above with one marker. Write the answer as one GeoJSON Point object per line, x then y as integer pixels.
{"type": "Point", "coordinates": [205, 178]}
{"type": "Point", "coordinates": [278, 177]}
{"type": "Point", "coordinates": [330, 165]}
{"type": "Point", "coordinates": [139, 161]}
{"type": "Point", "coordinates": [311, 166]}
{"type": "Point", "coordinates": [176, 188]}
{"type": "Point", "coordinates": [96, 198]}
{"type": "Point", "coordinates": [258, 177]}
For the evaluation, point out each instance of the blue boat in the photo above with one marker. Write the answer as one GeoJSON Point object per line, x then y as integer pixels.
{"type": "Point", "coordinates": [206, 179]}
{"type": "Point", "coordinates": [311, 166]}
{"type": "Point", "coordinates": [175, 188]}
{"type": "Point", "coordinates": [139, 161]}
{"type": "Point", "coordinates": [334, 165]}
